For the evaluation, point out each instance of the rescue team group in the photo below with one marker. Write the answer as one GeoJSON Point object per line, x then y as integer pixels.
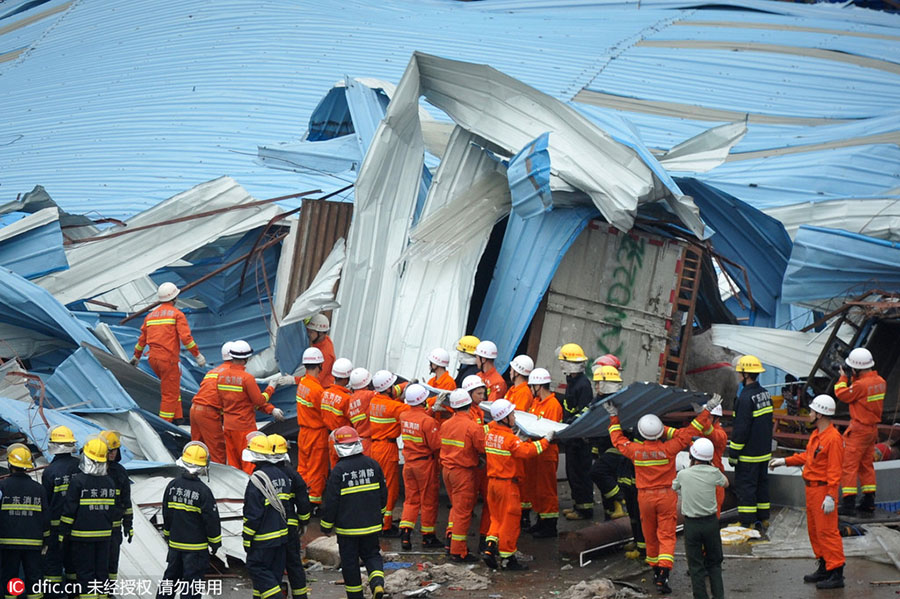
{"type": "Point", "coordinates": [347, 470]}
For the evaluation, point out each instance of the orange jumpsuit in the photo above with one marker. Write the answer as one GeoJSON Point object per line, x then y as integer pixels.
{"type": "Point", "coordinates": [462, 443]}
{"type": "Point", "coordinates": [312, 441]}
{"type": "Point", "coordinates": [327, 348]}
{"type": "Point", "coordinates": [496, 386]}
{"type": "Point", "coordinates": [503, 450]}
{"type": "Point", "coordinates": [384, 422]}
{"type": "Point", "coordinates": [446, 382]}
{"type": "Point", "coordinates": [541, 471]}
{"type": "Point", "coordinates": [477, 415]}
{"type": "Point", "coordinates": [334, 413]}
{"type": "Point", "coordinates": [358, 414]}
{"type": "Point", "coordinates": [822, 474]}
{"type": "Point", "coordinates": [421, 446]}
{"type": "Point", "coordinates": [654, 471]}
{"type": "Point", "coordinates": [163, 329]}
{"type": "Point", "coordinates": [866, 398]}
{"type": "Point", "coordinates": [719, 439]}
{"type": "Point", "coordinates": [206, 415]}
{"type": "Point", "coordinates": [521, 397]}
{"type": "Point", "coordinates": [235, 387]}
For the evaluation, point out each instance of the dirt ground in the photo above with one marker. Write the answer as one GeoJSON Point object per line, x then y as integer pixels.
{"type": "Point", "coordinates": [550, 574]}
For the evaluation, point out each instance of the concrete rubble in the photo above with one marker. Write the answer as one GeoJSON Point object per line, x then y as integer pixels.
{"type": "Point", "coordinates": [449, 575]}
{"type": "Point", "coordinates": [599, 588]}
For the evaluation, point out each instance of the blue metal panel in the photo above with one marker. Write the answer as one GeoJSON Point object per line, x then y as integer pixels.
{"type": "Point", "coordinates": [531, 252]}
{"type": "Point", "coordinates": [82, 384]}
{"type": "Point", "coordinates": [36, 252]}
{"type": "Point", "coordinates": [829, 263]}
{"type": "Point", "coordinates": [249, 322]}
{"type": "Point", "coordinates": [290, 344]}
{"type": "Point", "coordinates": [529, 179]}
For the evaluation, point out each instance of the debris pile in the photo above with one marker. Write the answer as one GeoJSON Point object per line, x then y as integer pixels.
{"type": "Point", "coordinates": [598, 588]}
{"type": "Point", "coordinates": [457, 577]}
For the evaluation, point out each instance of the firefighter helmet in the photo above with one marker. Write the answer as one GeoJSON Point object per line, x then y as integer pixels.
{"type": "Point", "coordinates": [359, 378]}
{"type": "Point", "coordinates": [749, 364]}
{"type": "Point", "coordinates": [608, 360]}
{"type": "Point", "coordinates": [96, 450]}
{"type": "Point", "coordinates": [112, 439]}
{"type": "Point", "coordinates": [318, 323]}
{"type": "Point", "coordinates": [341, 368]}
{"type": "Point", "coordinates": [472, 382]}
{"type": "Point", "coordinates": [167, 292]}
{"type": "Point", "coordinates": [500, 409]}
{"type": "Point", "coordinates": [522, 364]}
{"type": "Point", "coordinates": [459, 398]}
{"type": "Point", "coordinates": [572, 352]}
{"type": "Point", "coordinates": [860, 358]}
{"type": "Point", "coordinates": [226, 351]}
{"type": "Point", "coordinates": [467, 344]}
{"type": "Point", "coordinates": [61, 434]}
{"type": "Point", "coordinates": [19, 455]}
{"type": "Point", "coordinates": [279, 444]}
{"type": "Point", "coordinates": [607, 373]}
{"type": "Point", "coordinates": [382, 380]}
{"type": "Point", "coordinates": [702, 449]}
{"type": "Point", "coordinates": [539, 376]}
{"type": "Point", "coordinates": [822, 404]}
{"type": "Point", "coordinates": [195, 453]}
{"type": "Point", "coordinates": [650, 427]}
{"type": "Point", "coordinates": [487, 350]}
{"type": "Point", "coordinates": [439, 357]}
{"type": "Point", "coordinates": [240, 350]}
{"type": "Point", "coordinates": [415, 394]}
{"type": "Point", "coordinates": [313, 356]}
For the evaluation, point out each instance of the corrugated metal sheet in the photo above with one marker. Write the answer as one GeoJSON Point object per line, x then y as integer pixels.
{"type": "Point", "coordinates": [529, 178]}
{"type": "Point", "coordinates": [33, 246]}
{"type": "Point", "coordinates": [82, 384]}
{"type": "Point", "coordinates": [873, 217]}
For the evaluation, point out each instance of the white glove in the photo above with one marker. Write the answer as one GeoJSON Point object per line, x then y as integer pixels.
{"type": "Point", "coordinates": [201, 360]}
{"type": "Point", "coordinates": [611, 408]}
{"type": "Point", "coordinates": [278, 415]}
{"type": "Point", "coordinates": [439, 402]}
{"type": "Point", "coordinates": [828, 504]}
{"type": "Point", "coordinates": [134, 361]}
{"type": "Point", "coordinates": [549, 436]}
{"type": "Point", "coordinates": [715, 400]}
{"type": "Point", "coordinates": [775, 463]}
{"type": "Point", "coordinates": [285, 381]}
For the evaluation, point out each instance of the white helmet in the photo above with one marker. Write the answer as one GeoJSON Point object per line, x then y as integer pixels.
{"type": "Point", "coordinates": [226, 351]}
{"type": "Point", "coordinates": [359, 378]}
{"type": "Point", "coordinates": [341, 368]}
{"type": "Point", "coordinates": [716, 411]}
{"type": "Point", "coordinates": [459, 398]}
{"type": "Point", "coordinates": [500, 409]}
{"type": "Point", "coordinates": [313, 356]}
{"type": "Point", "coordinates": [522, 364]}
{"type": "Point", "coordinates": [822, 404]}
{"type": "Point", "coordinates": [486, 349]}
{"type": "Point", "coordinates": [702, 449]}
{"type": "Point", "coordinates": [240, 350]}
{"type": "Point", "coordinates": [415, 394]}
{"type": "Point", "coordinates": [439, 357]}
{"type": "Point", "coordinates": [167, 292]}
{"type": "Point", "coordinates": [318, 323]}
{"type": "Point", "coordinates": [472, 382]}
{"type": "Point", "coordinates": [650, 427]}
{"type": "Point", "coordinates": [383, 379]}
{"type": "Point", "coordinates": [539, 376]}
{"type": "Point", "coordinates": [860, 358]}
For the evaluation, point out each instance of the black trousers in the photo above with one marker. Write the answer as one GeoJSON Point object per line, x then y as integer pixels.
{"type": "Point", "coordinates": [266, 567]}
{"type": "Point", "coordinates": [91, 562]}
{"type": "Point", "coordinates": [353, 549]}
{"type": "Point", "coordinates": [53, 559]}
{"type": "Point", "coordinates": [751, 485]}
{"type": "Point", "coordinates": [115, 546]}
{"type": "Point", "coordinates": [605, 474]}
{"type": "Point", "coordinates": [294, 564]}
{"type": "Point", "coordinates": [28, 560]}
{"type": "Point", "coordinates": [184, 566]}
{"type": "Point", "coordinates": [703, 547]}
{"type": "Point", "coordinates": [634, 515]}
{"type": "Point", "coordinates": [578, 471]}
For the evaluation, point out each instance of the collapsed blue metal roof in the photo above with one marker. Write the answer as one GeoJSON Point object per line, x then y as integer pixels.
{"type": "Point", "coordinates": [81, 383]}
{"type": "Point", "coordinates": [35, 252]}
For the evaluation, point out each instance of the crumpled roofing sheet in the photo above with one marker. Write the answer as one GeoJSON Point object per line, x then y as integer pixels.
{"type": "Point", "coordinates": [877, 217]}
{"type": "Point", "coordinates": [12, 386]}
{"type": "Point", "coordinates": [82, 384]}
{"type": "Point", "coordinates": [33, 246]}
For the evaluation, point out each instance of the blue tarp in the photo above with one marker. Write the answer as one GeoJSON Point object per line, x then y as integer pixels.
{"type": "Point", "coordinates": [830, 263]}
{"type": "Point", "coordinates": [529, 178]}
{"type": "Point", "coordinates": [532, 250]}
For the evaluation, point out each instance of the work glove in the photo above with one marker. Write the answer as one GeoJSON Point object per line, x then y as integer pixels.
{"type": "Point", "coordinates": [775, 463]}
{"type": "Point", "coordinates": [134, 361]}
{"type": "Point", "coordinates": [278, 415]}
{"type": "Point", "coordinates": [611, 409]}
{"type": "Point", "coordinates": [714, 401]}
{"type": "Point", "coordinates": [828, 504]}
{"type": "Point", "coordinates": [549, 436]}
{"type": "Point", "coordinates": [201, 360]}
{"type": "Point", "coordinates": [439, 402]}
{"type": "Point", "coordinates": [284, 381]}
{"type": "Point", "coordinates": [130, 535]}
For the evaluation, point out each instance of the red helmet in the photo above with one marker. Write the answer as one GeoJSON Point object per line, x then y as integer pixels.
{"type": "Point", "coordinates": [346, 434]}
{"type": "Point", "coordinates": [608, 360]}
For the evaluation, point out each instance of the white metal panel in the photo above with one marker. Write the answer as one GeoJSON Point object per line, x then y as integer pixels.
{"type": "Point", "coordinates": [873, 217]}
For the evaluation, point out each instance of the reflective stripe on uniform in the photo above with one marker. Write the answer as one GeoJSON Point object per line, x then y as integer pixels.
{"type": "Point", "coordinates": [360, 488]}
{"type": "Point", "coordinates": [651, 462]}
{"type": "Point", "coordinates": [160, 321]}
{"type": "Point", "coordinates": [188, 546]}
{"type": "Point", "coordinates": [494, 451]}
{"type": "Point", "coordinates": [176, 505]}
{"type": "Point", "coordinates": [412, 438]}
{"type": "Point", "coordinates": [763, 411]}
{"type": "Point", "coordinates": [369, 530]}
{"type": "Point", "coordinates": [453, 442]}
{"type": "Point", "coordinates": [755, 459]}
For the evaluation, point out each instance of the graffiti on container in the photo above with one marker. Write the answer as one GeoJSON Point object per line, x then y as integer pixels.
{"type": "Point", "coordinates": [629, 260]}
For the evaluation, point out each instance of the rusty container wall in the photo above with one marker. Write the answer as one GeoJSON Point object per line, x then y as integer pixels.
{"type": "Point", "coordinates": [321, 224]}
{"type": "Point", "coordinates": [612, 293]}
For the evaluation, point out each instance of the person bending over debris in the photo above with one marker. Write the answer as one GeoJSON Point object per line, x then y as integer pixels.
{"type": "Point", "coordinates": [206, 410]}
{"type": "Point", "coordinates": [298, 513]}
{"type": "Point", "coordinates": [354, 496]}
{"type": "Point", "coordinates": [163, 330]}
{"type": "Point", "coordinates": [822, 474]}
{"type": "Point", "coordinates": [697, 486]}
{"type": "Point", "coordinates": [654, 466]}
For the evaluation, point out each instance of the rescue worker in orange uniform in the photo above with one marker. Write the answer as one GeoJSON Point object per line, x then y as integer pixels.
{"type": "Point", "coordinates": [503, 448]}
{"type": "Point", "coordinates": [206, 410]}
{"type": "Point", "coordinates": [421, 446]}
{"type": "Point", "coordinates": [317, 330]}
{"type": "Point", "coordinates": [865, 395]}
{"type": "Point", "coordinates": [542, 469]}
{"type": "Point", "coordinates": [438, 361]}
{"type": "Point", "coordinates": [654, 462]}
{"type": "Point", "coordinates": [520, 396]}
{"type": "Point", "coordinates": [335, 400]}
{"type": "Point", "coordinates": [358, 406]}
{"type": "Point", "coordinates": [475, 387]}
{"type": "Point", "coordinates": [465, 353]}
{"type": "Point", "coordinates": [719, 439]}
{"type": "Point", "coordinates": [163, 330]}
{"type": "Point", "coordinates": [485, 354]}
{"type": "Point", "coordinates": [462, 445]}
{"type": "Point", "coordinates": [240, 395]}
{"type": "Point", "coordinates": [384, 422]}
{"type": "Point", "coordinates": [822, 472]}
{"type": "Point", "coordinates": [312, 440]}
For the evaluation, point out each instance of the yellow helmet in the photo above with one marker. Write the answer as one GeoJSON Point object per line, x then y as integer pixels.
{"type": "Point", "coordinates": [572, 352]}
{"type": "Point", "coordinates": [279, 444]}
{"type": "Point", "coordinates": [111, 438]}
{"type": "Point", "coordinates": [61, 434]}
{"type": "Point", "coordinates": [19, 455]}
{"type": "Point", "coordinates": [468, 344]}
{"type": "Point", "coordinates": [750, 364]}
{"type": "Point", "coordinates": [195, 453]}
{"type": "Point", "coordinates": [96, 450]}
{"type": "Point", "coordinates": [261, 444]}
{"type": "Point", "coordinates": [607, 373]}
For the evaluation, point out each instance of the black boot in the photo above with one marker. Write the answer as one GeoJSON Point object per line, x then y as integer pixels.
{"type": "Point", "coordinates": [489, 555]}
{"type": "Point", "coordinates": [820, 574]}
{"type": "Point", "coordinates": [448, 541]}
{"type": "Point", "coordinates": [511, 563]}
{"type": "Point", "coordinates": [848, 506]}
{"type": "Point", "coordinates": [867, 505]}
{"type": "Point", "coordinates": [547, 529]}
{"type": "Point", "coordinates": [482, 543]}
{"type": "Point", "coordinates": [430, 541]}
{"type": "Point", "coordinates": [835, 579]}
{"type": "Point", "coordinates": [406, 539]}
{"type": "Point", "coordinates": [662, 583]}
{"type": "Point", "coordinates": [526, 519]}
